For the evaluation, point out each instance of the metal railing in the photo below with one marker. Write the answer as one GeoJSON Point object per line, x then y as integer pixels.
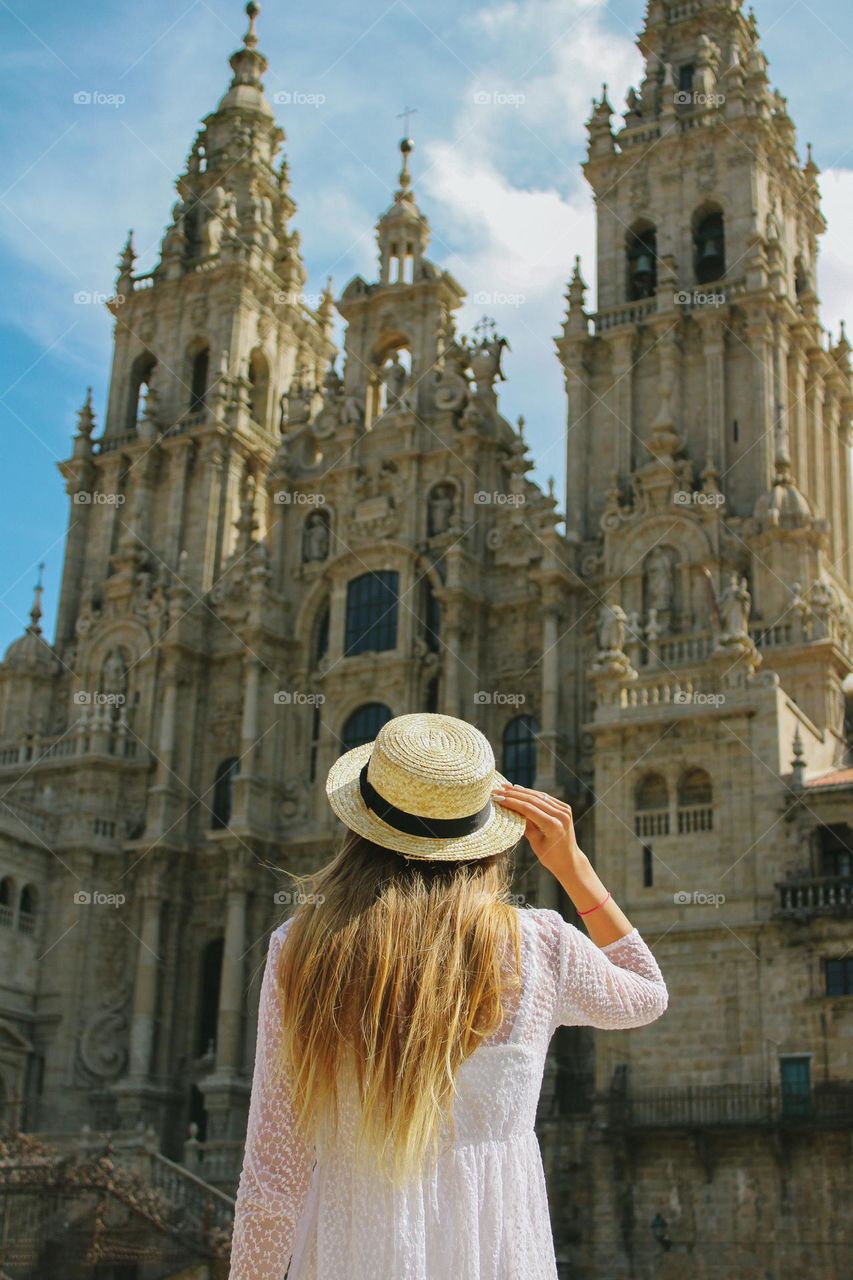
{"type": "Point", "coordinates": [728, 1105]}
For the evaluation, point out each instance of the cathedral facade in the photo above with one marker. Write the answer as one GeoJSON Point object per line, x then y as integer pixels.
{"type": "Point", "coordinates": [273, 547]}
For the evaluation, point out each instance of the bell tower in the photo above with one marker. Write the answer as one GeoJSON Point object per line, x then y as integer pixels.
{"type": "Point", "coordinates": [205, 344]}
{"type": "Point", "coordinates": [709, 503]}
{"type": "Point", "coordinates": [705, 388]}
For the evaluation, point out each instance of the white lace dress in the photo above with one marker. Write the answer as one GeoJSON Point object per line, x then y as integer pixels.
{"type": "Point", "coordinates": [482, 1212]}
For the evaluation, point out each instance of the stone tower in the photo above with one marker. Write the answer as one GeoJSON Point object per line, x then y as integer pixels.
{"type": "Point", "coordinates": [709, 501]}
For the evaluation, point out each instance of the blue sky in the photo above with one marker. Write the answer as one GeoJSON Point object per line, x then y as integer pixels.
{"type": "Point", "coordinates": [501, 185]}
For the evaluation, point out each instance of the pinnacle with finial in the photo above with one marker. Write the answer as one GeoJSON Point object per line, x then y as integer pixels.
{"type": "Point", "coordinates": [35, 612]}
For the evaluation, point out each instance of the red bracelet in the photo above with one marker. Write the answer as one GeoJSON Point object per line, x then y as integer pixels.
{"type": "Point", "coordinates": [598, 908]}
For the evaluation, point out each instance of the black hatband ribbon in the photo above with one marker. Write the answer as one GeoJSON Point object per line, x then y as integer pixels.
{"type": "Point", "coordinates": [414, 825]}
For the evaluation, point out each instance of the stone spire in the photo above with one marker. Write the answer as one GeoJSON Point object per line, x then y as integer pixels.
{"type": "Point", "coordinates": [402, 232]}
{"type": "Point", "coordinates": [235, 202]}
{"type": "Point", "coordinates": [34, 628]}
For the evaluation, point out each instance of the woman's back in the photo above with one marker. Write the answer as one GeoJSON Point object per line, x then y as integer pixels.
{"type": "Point", "coordinates": [480, 1212]}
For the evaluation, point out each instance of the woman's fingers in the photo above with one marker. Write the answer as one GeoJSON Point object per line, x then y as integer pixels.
{"type": "Point", "coordinates": [513, 788]}
{"type": "Point", "coordinates": [545, 803]}
{"type": "Point", "coordinates": [546, 817]}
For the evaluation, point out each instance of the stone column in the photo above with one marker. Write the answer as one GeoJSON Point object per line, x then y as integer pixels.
{"type": "Point", "coordinates": [79, 524]}
{"type": "Point", "coordinates": [622, 346]}
{"type": "Point", "coordinates": [713, 350]}
{"type": "Point", "coordinates": [150, 890]}
{"type": "Point", "coordinates": [761, 343]}
{"type": "Point", "coordinates": [180, 448]}
{"type": "Point", "coordinates": [231, 990]}
{"type": "Point", "coordinates": [547, 888]}
{"type": "Point", "coordinates": [214, 463]}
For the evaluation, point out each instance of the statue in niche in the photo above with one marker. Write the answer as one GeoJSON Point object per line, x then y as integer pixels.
{"type": "Point", "coordinates": [659, 581]}
{"type": "Point", "coordinates": [734, 605]}
{"type": "Point", "coordinates": [315, 538]}
{"type": "Point", "coordinates": [442, 500]}
{"type": "Point", "coordinates": [114, 673]}
{"type": "Point", "coordinates": [393, 376]}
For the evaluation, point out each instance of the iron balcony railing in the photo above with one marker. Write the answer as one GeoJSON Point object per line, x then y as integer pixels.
{"type": "Point", "coordinates": [731, 1105]}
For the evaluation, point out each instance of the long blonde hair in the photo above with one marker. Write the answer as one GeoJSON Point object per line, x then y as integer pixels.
{"type": "Point", "coordinates": [398, 968]}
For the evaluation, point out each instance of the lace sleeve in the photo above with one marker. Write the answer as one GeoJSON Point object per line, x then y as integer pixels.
{"type": "Point", "coordinates": [277, 1163]}
{"type": "Point", "coordinates": [612, 987]}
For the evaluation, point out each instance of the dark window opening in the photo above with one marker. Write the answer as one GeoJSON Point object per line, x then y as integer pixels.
{"type": "Point", "coordinates": [315, 743]}
{"type": "Point", "coordinates": [321, 636]}
{"type": "Point", "coordinates": [211, 978]}
{"type": "Point", "coordinates": [431, 699]}
{"type": "Point", "coordinates": [685, 78]}
{"type": "Point", "coordinates": [198, 382]}
{"type": "Point", "coordinates": [371, 616]}
{"type": "Point", "coordinates": [839, 977]}
{"type": "Point", "coordinates": [432, 630]}
{"type": "Point", "coordinates": [648, 867]}
{"type": "Point", "coordinates": [709, 246]}
{"type": "Point", "coordinates": [735, 431]}
{"type": "Point", "coordinates": [642, 264]}
{"type": "Point", "coordinates": [835, 844]}
{"type": "Point", "coordinates": [795, 1076]}
{"type": "Point", "coordinates": [198, 1112]}
{"type": "Point", "coordinates": [223, 793]}
{"type": "Point", "coordinates": [364, 724]}
{"type": "Point", "coordinates": [519, 750]}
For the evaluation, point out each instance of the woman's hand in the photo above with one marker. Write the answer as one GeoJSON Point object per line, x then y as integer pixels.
{"type": "Point", "coordinates": [551, 834]}
{"type": "Point", "coordinates": [550, 829]}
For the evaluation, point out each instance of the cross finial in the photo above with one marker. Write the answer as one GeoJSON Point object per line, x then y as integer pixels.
{"type": "Point", "coordinates": [405, 115]}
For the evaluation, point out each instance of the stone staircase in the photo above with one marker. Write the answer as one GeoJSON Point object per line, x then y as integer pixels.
{"type": "Point", "coordinates": [113, 1199]}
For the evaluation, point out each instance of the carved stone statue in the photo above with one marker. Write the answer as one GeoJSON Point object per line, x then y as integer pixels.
{"type": "Point", "coordinates": [114, 673]}
{"type": "Point", "coordinates": [441, 503]}
{"type": "Point", "coordinates": [393, 376]}
{"type": "Point", "coordinates": [611, 628]}
{"type": "Point", "coordinates": [659, 580]}
{"type": "Point", "coordinates": [734, 605]}
{"type": "Point", "coordinates": [315, 538]}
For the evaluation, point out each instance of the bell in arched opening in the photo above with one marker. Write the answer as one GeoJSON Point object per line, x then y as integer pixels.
{"type": "Point", "coordinates": [642, 264]}
{"type": "Point", "coordinates": [710, 250]}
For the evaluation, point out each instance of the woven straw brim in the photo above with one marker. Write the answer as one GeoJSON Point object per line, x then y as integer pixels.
{"type": "Point", "coordinates": [501, 830]}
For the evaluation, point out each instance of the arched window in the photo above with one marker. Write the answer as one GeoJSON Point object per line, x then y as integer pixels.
{"type": "Point", "coordinates": [223, 792]}
{"type": "Point", "coordinates": [27, 909]}
{"type": "Point", "coordinates": [709, 247]}
{"type": "Point", "coordinates": [519, 750]}
{"type": "Point", "coordinates": [141, 372]}
{"type": "Point", "coordinates": [259, 385]}
{"type": "Point", "coordinates": [364, 724]}
{"type": "Point", "coordinates": [695, 802]}
{"type": "Point", "coordinates": [198, 379]}
{"type": "Point", "coordinates": [651, 805]}
{"type": "Point", "coordinates": [7, 901]}
{"type": "Point", "coordinates": [642, 254]}
{"type": "Point", "coordinates": [211, 979]}
{"type": "Point", "coordinates": [371, 619]}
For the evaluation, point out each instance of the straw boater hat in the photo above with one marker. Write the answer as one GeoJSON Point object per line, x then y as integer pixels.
{"type": "Point", "coordinates": [423, 789]}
